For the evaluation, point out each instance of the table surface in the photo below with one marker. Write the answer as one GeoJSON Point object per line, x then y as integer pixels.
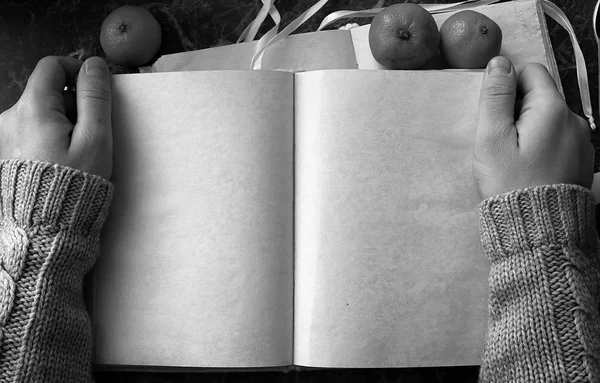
{"type": "Point", "coordinates": [33, 29]}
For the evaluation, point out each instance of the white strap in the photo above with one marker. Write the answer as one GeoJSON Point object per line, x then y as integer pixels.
{"type": "Point", "coordinates": [265, 41]}
{"type": "Point", "coordinates": [250, 32]}
{"type": "Point", "coordinates": [554, 12]}
{"type": "Point", "coordinates": [431, 8]}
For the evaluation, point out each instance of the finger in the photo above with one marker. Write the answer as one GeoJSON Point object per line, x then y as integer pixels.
{"type": "Point", "coordinates": [497, 104]}
{"type": "Point", "coordinates": [536, 78]}
{"type": "Point", "coordinates": [93, 104]}
{"type": "Point", "coordinates": [52, 74]}
{"type": "Point", "coordinates": [542, 104]}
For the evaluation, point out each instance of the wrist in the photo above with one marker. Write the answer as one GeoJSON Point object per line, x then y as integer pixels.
{"type": "Point", "coordinates": [37, 193]}
{"type": "Point", "coordinates": [546, 215]}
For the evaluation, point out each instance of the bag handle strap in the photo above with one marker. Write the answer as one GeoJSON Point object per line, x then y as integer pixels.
{"type": "Point", "coordinates": [265, 41]}
{"type": "Point", "coordinates": [582, 78]}
{"type": "Point", "coordinates": [268, 8]}
{"type": "Point", "coordinates": [431, 8]}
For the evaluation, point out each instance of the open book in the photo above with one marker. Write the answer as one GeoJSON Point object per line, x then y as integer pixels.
{"type": "Point", "coordinates": [272, 219]}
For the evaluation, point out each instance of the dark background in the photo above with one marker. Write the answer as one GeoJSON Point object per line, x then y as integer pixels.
{"type": "Point", "coordinates": [32, 29]}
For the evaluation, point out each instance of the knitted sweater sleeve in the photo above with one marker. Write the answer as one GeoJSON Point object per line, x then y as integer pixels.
{"type": "Point", "coordinates": [50, 222]}
{"type": "Point", "coordinates": [544, 281]}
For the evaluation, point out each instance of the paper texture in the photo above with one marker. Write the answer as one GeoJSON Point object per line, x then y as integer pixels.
{"type": "Point", "coordinates": [196, 258]}
{"type": "Point", "coordinates": [389, 268]}
{"type": "Point", "coordinates": [296, 53]}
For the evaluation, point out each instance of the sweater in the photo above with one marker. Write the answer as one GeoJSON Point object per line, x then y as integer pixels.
{"type": "Point", "coordinates": [541, 243]}
{"type": "Point", "coordinates": [543, 323]}
{"type": "Point", "coordinates": [50, 222]}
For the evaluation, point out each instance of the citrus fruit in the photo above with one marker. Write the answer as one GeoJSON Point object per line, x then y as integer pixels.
{"type": "Point", "coordinates": [403, 36]}
{"type": "Point", "coordinates": [130, 36]}
{"type": "Point", "coordinates": [469, 39]}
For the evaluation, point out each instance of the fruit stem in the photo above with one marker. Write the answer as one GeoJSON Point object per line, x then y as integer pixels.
{"type": "Point", "coordinates": [123, 28]}
{"type": "Point", "coordinates": [483, 30]}
{"type": "Point", "coordinates": [404, 34]}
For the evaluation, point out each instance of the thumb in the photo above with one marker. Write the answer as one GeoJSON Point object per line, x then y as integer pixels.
{"type": "Point", "coordinates": [94, 99]}
{"type": "Point", "coordinates": [497, 102]}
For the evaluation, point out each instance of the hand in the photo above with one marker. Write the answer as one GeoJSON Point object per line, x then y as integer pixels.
{"type": "Point", "coordinates": [527, 135]}
{"type": "Point", "coordinates": [38, 126]}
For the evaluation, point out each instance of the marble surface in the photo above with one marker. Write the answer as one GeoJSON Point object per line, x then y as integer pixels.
{"type": "Point", "coordinates": [32, 29]}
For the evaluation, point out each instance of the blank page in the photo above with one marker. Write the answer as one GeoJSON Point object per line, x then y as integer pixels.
{"type": "Point", "coordinates": [389, 267]}
{"type": "Point", "coordinates": [196, 256]}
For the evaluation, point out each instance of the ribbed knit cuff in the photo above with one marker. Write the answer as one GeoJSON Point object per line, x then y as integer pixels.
{"type": "Point", "coordinates": [560, 214]}
{"type": "Point", "coordinates": [42, 193]}
{"type": "Point", "coordinates": [544, 286]}
{"type": "Point", "coordinates": [50, 220]}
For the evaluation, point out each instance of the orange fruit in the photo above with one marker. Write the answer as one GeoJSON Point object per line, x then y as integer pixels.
{"type": "Point", "coordinates": [130, 36]}
{"type": "Point", "coordinates": [403, 36]}
{"type": "Point", "coordinates": [469, 40]}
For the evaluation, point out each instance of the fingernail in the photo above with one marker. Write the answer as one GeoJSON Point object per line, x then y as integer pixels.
{"type": "Point", "coordinates": [499, 65]}
{"type": "Point", "coordinates": [95, 66]}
